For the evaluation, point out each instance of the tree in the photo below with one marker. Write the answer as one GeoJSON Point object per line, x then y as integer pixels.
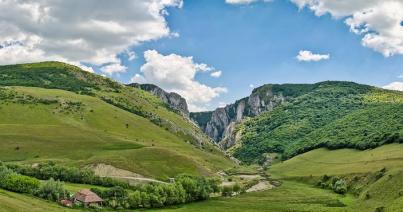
{"type": "Point", "coordinates": [340, 186]}
{"type": "Point", "coordinates": [52, 190]}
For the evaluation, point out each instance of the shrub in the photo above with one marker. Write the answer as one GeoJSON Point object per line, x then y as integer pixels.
{"type": "Point", "coordinates": [52, 190]}
{"type": "Point", "coordinates": [236, 188]}
{"type": "Point", "coordinates": [340, 186]}
{"type": "Point", "coordinates": [227, 191]}
{"type": "Point", "coordinates": [19, 183]}
{"type": "Point", "coordinates": [45, 171]}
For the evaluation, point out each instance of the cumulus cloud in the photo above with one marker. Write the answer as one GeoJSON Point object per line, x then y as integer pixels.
{"type": "Point", "coordinates": [397, 86]}
{"type": "Point", "coordinates": [216, 74]}
{"type": "Point", "coordinates": [113, 68]}
{"type": "Point", "coordinates": [243, 2]}
{"type": "Point", "coordinates": [239, 1]}
{"type": "Point", "coordinates": [75, 31]}
{"type": "Point", "coordinates": [308, 56]}
{"type": "Point", "coordinates": [175, 73]}
{"type": "Point", "coordinates": [378, 21]}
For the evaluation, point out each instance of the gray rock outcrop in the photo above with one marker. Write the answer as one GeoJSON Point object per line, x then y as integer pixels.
{"type": "Point", "coordinates": [173, 100]}
{"type": "Point", "coordinates": [220, 125]}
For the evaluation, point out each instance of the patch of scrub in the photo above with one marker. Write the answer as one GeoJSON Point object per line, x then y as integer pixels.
{"type": "Point", "coordinates": [105, 170]}
{"type": "Point", "coordinates": [261, 186]}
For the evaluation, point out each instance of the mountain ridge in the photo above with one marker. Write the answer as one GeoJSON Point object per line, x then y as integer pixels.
{"type": "Point", "coordinates": [282, 117]}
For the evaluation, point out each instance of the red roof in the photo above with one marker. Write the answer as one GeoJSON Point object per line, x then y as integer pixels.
{"type": "Point", "coordinates": [87, 196]}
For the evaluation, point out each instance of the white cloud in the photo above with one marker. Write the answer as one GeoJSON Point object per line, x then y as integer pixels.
{"type": "Point", "coordinates": [398, 86]}
{"type": "Point", "coordinates": [378, 21]}
{"type": "Point", "coordinates": [204, 67]}
{"type": "Point", "coordinates": [308, 56]}
{"type": "Point", "coordinates": [131, 55]}
{"type": "Point", "coordinates": [175, 73]}
{"type": "Point", "coordinates": [216, 74]}
{"type": "Point", "coordinates": [113, 68]}
{"type": "Point", "coordinates": [400, 76]}
{"type": "Point", "coordinates": [76, 31]}
{"type": "Point", "coordinates": [243, 2]}
{"type": "Point", "coordinates": [239, 1]}
{"type": "Point", "coordinates": [251, 85]}
{"type": "Point", "coordinates": [137, 78]}
{"type": "Point", "coordinates": [222, 104]}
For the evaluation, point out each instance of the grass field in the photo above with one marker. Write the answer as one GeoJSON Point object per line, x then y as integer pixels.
{"type": "Point", "coordinates": [97, 132]}
{"type": "Point", "coordinates": [13, 202]}
{"type": "Point", "coordinates": [338, 162]}
{"type": "Point", "coordinates": [291, 196]}
{"type": "Point", "coordinates": [297, 195]}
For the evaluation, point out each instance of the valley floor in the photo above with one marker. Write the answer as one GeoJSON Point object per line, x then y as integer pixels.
{"type": "Point", "coordinates": [298, 191]}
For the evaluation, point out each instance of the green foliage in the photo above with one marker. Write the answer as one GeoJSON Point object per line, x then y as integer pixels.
{"type": "Point", "coordinates": [340, 186]}
{"type": "Point", "coordinates": [52, 190]}
{"type": "Point", "coordinates": [227, 191]}
{"type": "Point", "coordinates": [93, 125]}
{"type": "Point", "coordinates": [47, 171]}
{"type": "Point", "coordinates": [53, 75]}
{"type": "Point", "coordinates": [19, 183]}
{"type": "Point", "coordinates": [329, 114]}
{"type": "Point", "coordinates": [186, 189]}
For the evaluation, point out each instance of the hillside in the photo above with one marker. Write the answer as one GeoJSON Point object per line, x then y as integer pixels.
{"type": "Point", "coordinates": [299, 118]}
{"type": "Point", "coordinates": [54, 111]}
{"type": "Point", "coordinates": [333, 115]}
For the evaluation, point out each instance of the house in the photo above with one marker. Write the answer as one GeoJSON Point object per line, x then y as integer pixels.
{"type": "Point", "coordinates": [87, 197]}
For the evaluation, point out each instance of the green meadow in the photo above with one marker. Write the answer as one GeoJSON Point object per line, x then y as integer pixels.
{"type": "Point", "coordinates": [97, 132]}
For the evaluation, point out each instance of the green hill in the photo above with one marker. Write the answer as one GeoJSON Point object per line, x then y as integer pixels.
{"type": "Point", "coordinates": [54, 111]}
{"type": "Point", "coordinates": [328, 114]}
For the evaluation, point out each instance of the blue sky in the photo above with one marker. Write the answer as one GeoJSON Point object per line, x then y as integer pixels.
{"type": "Point", "coordinates": [179, 44]}
{"type": "Point", "coordinates": [258, 44]}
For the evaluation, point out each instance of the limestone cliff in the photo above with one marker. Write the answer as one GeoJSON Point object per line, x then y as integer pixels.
{"type": "Point", "coordinates": [220, 125]}
{"type": "Point", "coordinates": [173, 100]}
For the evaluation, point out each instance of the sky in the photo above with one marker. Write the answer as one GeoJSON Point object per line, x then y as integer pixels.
{"type": "Point", "coordinates": [212, 52]}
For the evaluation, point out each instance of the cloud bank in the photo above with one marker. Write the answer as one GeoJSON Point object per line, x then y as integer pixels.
{"type": "Point", "coordinates": [76, 31]}
{"type": "Point", "coordinates": [379, 22]}
{"type": "Point", "coordinates": [397, 86]}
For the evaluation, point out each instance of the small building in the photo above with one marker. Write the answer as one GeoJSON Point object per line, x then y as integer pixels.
{"type": "Point", "coordinates": [66, 203]}
{"type": "Point", "coordinates": [87, 197]}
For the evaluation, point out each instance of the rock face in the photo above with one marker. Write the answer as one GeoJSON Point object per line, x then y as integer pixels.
{"type": "Point", "coordinates": [173, 100]}
{"type": "Point", "coordinates": [220, 125]}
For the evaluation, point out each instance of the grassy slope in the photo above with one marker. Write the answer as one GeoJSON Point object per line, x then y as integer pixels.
{"type": "Point", "coordinates": [384, 192]}
{"type": "Point", "coordinates": [338, 162]}
{"type": "Point", "coordinates": [96, 133]}
{"type": "Point", "coordinates": [56, 75]}
{"type": "Point", "coordinates": [333, 114]}
{"type": "Point", "coordinates": [297, 195]}
{"type": "Point", "coordinates": [291, 196]}
{"type": "Point", "coordinates": [13, 202]}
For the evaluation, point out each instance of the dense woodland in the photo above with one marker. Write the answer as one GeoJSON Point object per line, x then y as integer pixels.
{"type": "Point", "coordinates": [333, 115]}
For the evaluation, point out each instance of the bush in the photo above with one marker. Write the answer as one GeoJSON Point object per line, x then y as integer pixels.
{"type": "Point", "coordinates": [340, 186]}
{"type": "Point", "coordinates": [227, 191]}
{"type": "Point", "coordinates": [50, 170]}
{"type": "Point", "coordinates": [236, 188]}
{"type": "Point", "coordinates": [19, 183]}
{"type": "Point", "coordinates": [52, 190]}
